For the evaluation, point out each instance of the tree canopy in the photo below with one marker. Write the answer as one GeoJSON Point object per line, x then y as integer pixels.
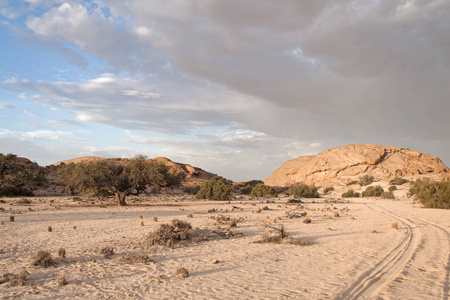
{"type": "Point", "coordinates": [121, 178]}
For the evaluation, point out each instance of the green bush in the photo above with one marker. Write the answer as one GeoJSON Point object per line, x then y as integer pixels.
{"type": "Point", "coordinates": [352, 182]}
{"type": "Point", "coordinates": [248, 186]}
{"type": "Point", "coordinates": [373, 191]}
{"type": "Point", "coordinates": [351, 194]}
{"type": "Point", "coordinates": [365, 180]}
{"type": "Point", "coordinates": [328, 189]}
{"type": "Point", "coordinates": [263, 191]}
{"type": "Point", "coordinates": [10, 190]}
{"type": "Point", "coordinates": [303, 190]}
{"type": "Point", "coordinates": [388, 195]}
{"type": "Point", "coordinates": [191, 190]}
{"type": "Point", "coordinates": [398, 181]}
{"type": "Point", "coordinates": [214, 189]}
{"type": "Point", "coordinates": [392, 188]}
{"type": "Point", "coordinates": [431, 194]}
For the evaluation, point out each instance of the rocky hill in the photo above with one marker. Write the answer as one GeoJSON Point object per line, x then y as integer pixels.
{"type": "Point", "coordinates": [347, 163]}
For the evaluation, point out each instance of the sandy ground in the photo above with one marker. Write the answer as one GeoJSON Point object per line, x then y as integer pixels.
{"type": "Point", "coordinates": [354, 255]}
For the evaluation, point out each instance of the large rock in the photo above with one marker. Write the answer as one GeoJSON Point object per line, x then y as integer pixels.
{"type": "Point", "coordinates": [347, 163]}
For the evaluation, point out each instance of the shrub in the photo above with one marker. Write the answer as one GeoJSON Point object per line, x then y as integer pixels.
{"type": "Point", "coordinates": [352, 182]}
{"type": "Point", "coordinates": [62, 252]}
{"type": "Point", "coordinates": [392, 188]}
{"type": "Point", "coordinates": [248, 186]}
{"type": "Point", "coordinates": [214, 189]}
{"type": "Point", "coordinates": [351, 194]}
{"type": "Point", "coordinates": [263, 191]}
{"type": "Point", "coordinates": [191, 190]}
{"type": "Point", "coordinates": [136, 258]}
{"type": "Point", "coordinates": [167, 234]}
{"type": "Point", "coordinates": [43, 259]}
{"type": "Point", "coordinates": [328, 189]}
{"type": "Point", "coordinates": [10, 190]}
{"type": "Point", "coordinates": [365, 180]}
{"type": "Point", "coordinates": [373, 191]}
{"type": "Point", "coordinates": [15, 279]}
{"type": "Point", "coordinates": [182, 272]}
{"type": "Point", "coordinates": [107, 252]}
{"type": "Point", "coordinates": [62, 280]}
{"type": "Point", "coordinates": [398, 181]}
{"type": "Point", "coordinates": [394, 225]}
{"type": "Point", "coordinates": [303, 190]}
{"type": "Point", "coordinates": [388, 195]}
{"type": "Point", "coordinates": [431, 194]}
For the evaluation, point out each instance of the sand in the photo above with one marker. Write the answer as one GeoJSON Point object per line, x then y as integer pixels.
{"type": "Point", "coordinates": [354, 255]}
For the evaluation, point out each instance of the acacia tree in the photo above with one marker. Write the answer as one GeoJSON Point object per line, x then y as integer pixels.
{"type": "Point", "coordinates": [120, 178]}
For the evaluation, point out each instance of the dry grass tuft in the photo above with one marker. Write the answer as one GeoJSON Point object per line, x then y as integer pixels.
{"type": "Point", "coordinates": [49, 229]}
{"type": "Point", "coordinates": [279, 236]}
{"type": "Point", "coordinates": [62, 280]}
{"type": "Point", "coordinates": [43, 259]}
{"type": "Point", "coordinates": [155, 219]}
{"type": "Point", "coordinates": [190, 216]}
{"type": "Point", "coordinates": [307, 220]}
{"type": "Point", "coordinates": [15, 279]}
{"type": "Point", "coordinates": [141, 217]}
{"type": "Point", "coordinates": [336, 214]}
{"type": "Point", "coordinates": [2, 223]}
{"type": "Point", "coordinates": [394, 225]}
{"type": "Point", "coordinates": [182, 272]}
{"type": "Point", "coordinates": [62, 252]}
{"type": "Point", "coordinates": [136, 258]}
{"type": "Point", "coordinates": [107, 252]}
{"type": "Point", "coordinates": [11, 218]}
{"type": "Point", "coordinates": [142, 222]}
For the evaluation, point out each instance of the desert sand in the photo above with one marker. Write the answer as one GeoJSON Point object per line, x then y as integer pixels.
{"type": "Point", "coordinates": [353, 252]}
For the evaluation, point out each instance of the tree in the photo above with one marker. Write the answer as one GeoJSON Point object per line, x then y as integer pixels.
{"type": "Point", "coordinates": [120, 178]}
{"type": "Point", "coordinates": [263, 191]}
{"type": "Point", "coordinates": [302, 190]}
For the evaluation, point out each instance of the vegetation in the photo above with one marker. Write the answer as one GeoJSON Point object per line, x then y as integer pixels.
{"type": "Point", "coordinates": [215, 189]}
{"type": "Point", "coordinates": [373, 191]}
{"type": "Point", "coordinates": [103, 177]}
{"type": "Point", "coordinates": [191, 190]}
{"type": "Point", "coordinates": [16, 179]}
{"type": "Point", "coordinates": [398, 181]}
{"type": "Point", "coordinates": [263, 191]}
{"type": "Point", "coordinates": [328, 189]}
{"type": "Point", "coordinates": [352, 182]}
{"type": "Point", "coordinates": [351, 194]}
{"type": "Point", "coordinates": [365, 180]}
{"type": "Point", "coordinates": [303, 190]}
{"type": "Point", "coordinates": [43, 259]}
{"type": "Point", "coordinates": [392, 188]}
{"type": "Point", "coordinates": [431, 194]}
{"type": "Point", "coordinates": [248, 186]}
{"type": "Point", "coordinates": [167, 234]}
{"type": "Point", "coordinates": [388, 195]}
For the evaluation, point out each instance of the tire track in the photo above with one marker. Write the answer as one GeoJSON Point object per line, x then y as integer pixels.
{"type": "Point", "coordinates": [371, 282]}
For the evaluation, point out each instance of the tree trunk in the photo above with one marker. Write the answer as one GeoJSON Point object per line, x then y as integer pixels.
{"type": "Point", "coordinates": [121, 198]}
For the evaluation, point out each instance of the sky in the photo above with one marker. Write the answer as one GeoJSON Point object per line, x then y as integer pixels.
{"type": "Point", "coordinates": [233, 87]}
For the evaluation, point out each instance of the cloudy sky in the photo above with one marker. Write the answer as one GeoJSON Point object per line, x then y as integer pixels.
{"type": "Point", "coordinates": [234, 87]}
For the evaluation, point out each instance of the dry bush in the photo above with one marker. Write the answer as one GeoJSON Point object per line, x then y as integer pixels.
{"type": "Point", "coordinates": [394, 225]}
{"type": "Point", "coordinates": [167, 234]}
{"type": "Point", "coordinates": [62, 252]}
{"type": "Point", "coordinates": [62, 280]}
{"type": "Point", "coordinates": [15, 279]}
{"type": "Point", "coordinates": [182, 272]}
{"type": "Point", "coordinates": [2, 223]}
{"type": "Point", "coordinates": [74, 227]}
{"type": "Point", "coordinates": [43, 259]}
{"type": "Point", "coordinates": [141, 217]}
{"type": "Point", "coordinates": [336, 214]}
{"type": "Point", "coordinates": [307, 220]}
{"type": "Point", "coordinates": [23, 201]}
{"type": "Point", "coordinates": [279, 236]}
{"type": "Point", "coordinates": [190, 216]}
{"type": "Point", "coordinates": [107, 252]}
{"type": "Point", "coordinates": [142, 222]}
{"type": "Point", "coordinates": [222, 219]}
{"type": "Point", "coordinates": [155, 219]}
{"type": "Point", "coordinates": [136, 258]}
{"type": "Point", "coordinates": [11, 218]}
{"type": "Point", "coordinates": [49, 229]}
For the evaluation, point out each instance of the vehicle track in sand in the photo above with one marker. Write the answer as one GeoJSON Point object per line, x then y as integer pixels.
{"type": "Point", "coordinates": [403, 267]}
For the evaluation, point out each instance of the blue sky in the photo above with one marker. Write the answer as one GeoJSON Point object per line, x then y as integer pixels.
{"type": "Point", "coordinates": [234, 87]}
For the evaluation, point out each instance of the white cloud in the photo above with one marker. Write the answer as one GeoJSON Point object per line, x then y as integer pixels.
{"type": "Point", "coordinates": [33, 114]}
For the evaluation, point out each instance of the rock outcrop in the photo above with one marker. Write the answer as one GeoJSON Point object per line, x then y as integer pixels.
{"type": "Point", "coordinates": [347, 163]}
